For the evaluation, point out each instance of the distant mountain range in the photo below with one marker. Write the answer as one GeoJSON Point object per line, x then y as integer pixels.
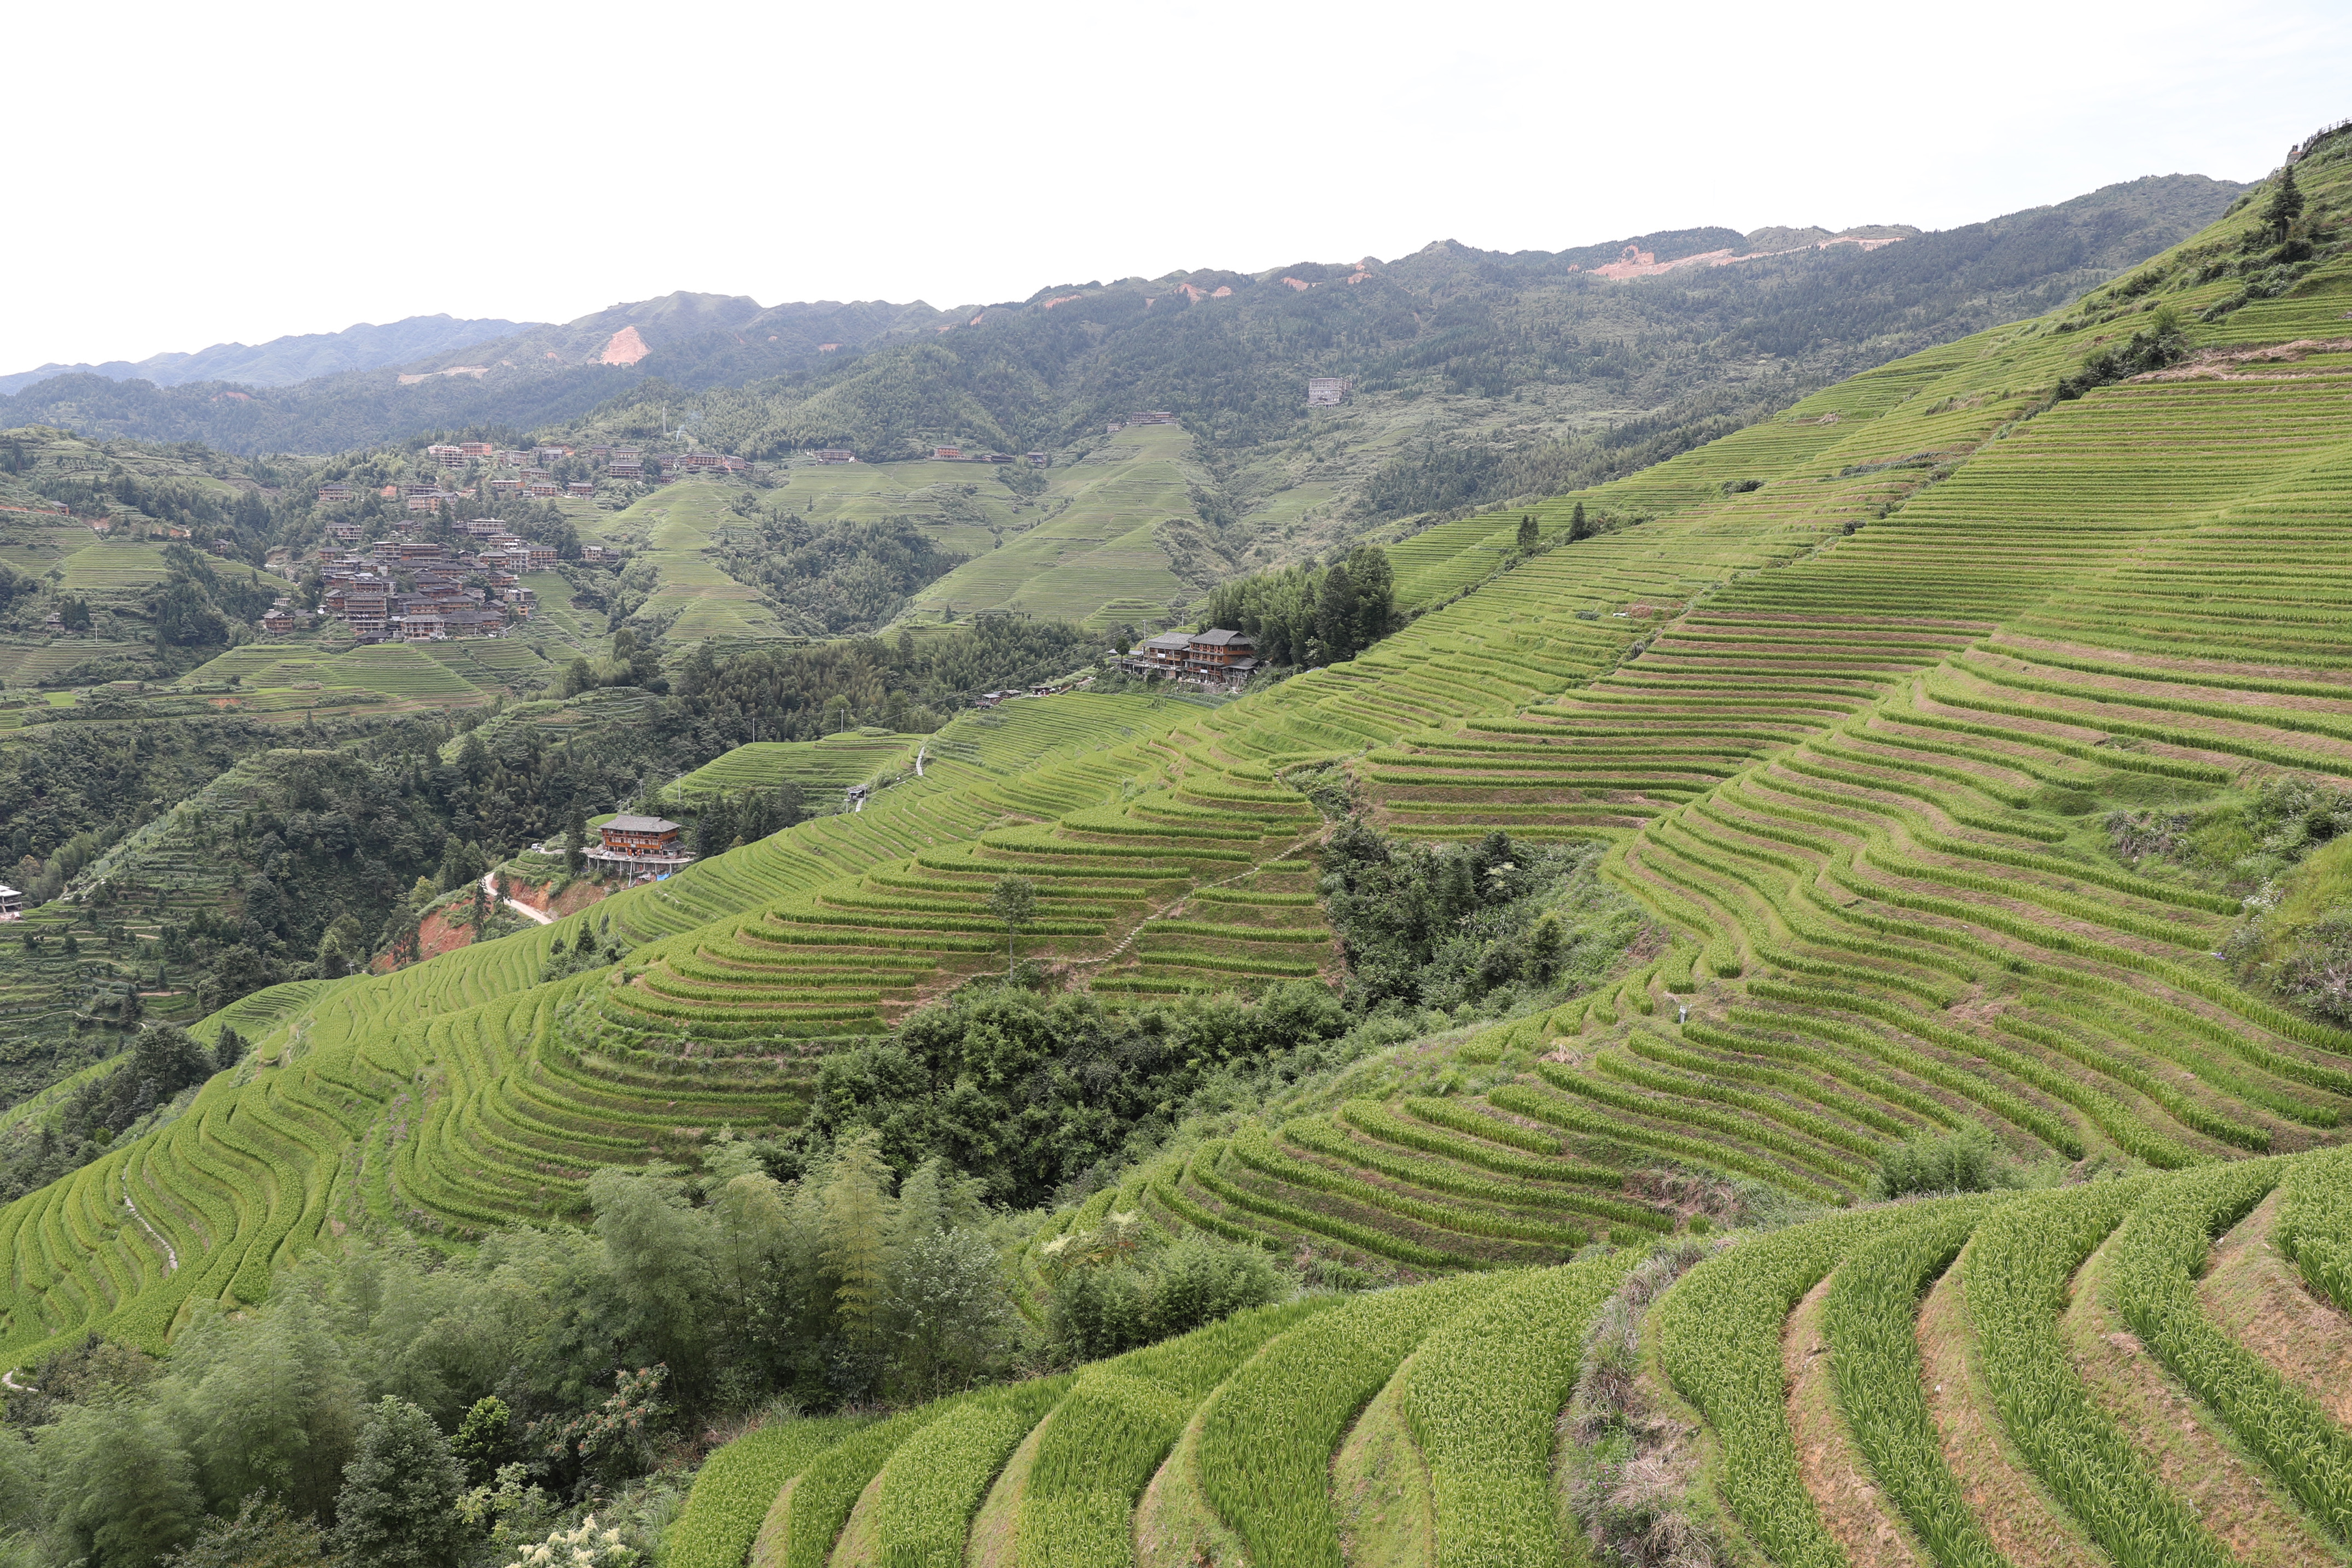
{"type": "Point", "coordinates": [1633, 328]}
{"type": "Point", "coordinates": [282, 362]}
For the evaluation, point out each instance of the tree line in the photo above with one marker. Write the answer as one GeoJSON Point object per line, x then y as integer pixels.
{"type": "Point", "coordinates": [1310, 614]}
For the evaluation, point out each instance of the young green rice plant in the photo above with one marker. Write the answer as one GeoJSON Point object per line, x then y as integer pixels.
{"type": "Point", "coordinates": [2049, 1129]}
{"type": "Point", "coordinates": [1463, 1119]}
{"type": "Point", "coordinates": [2161, 1252]}
{"type": "Point", "coordinates": [2016, 1272]}
{"type": "Point", "coordinates": [1254, 1148]}
{"type": "Point", "coordinates": [1569, 1116]}
{"type": "Point", "coordinates": [2182, 1109]}
{"type": "Point", "coordinates": [1656, 1047]}
{"type": "Point", "coordinates": [829, 1483]}
{"type": "Point", "coordinates": [1482, 1395]}
{"type": "Point", "coordinates": [737, 1486]}
{"type": "Point", "coordinates": [1268, 1433]}
{"type": "Point", "coordinates": [934, 1481]}
{"type": "Point", "coordinates": [1871, 1318]}
{"type": "Point", "coordinates": [2314, 1223]}
{"type": "Point", "coordinates": [1718, 1338]}
{"type": "Point", "coordinates": [1103, 1442]}
{"type": "Point", "coordinates": [1369, 1238]}
{"type": "Point", "coordinates": [1679, 1111]}
{"type": "Point", "coordinates": [1316, 1133]}
{"type": "Point", "coordinates": [1629, 1069]}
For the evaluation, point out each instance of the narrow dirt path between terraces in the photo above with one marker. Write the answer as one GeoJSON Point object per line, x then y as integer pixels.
{"type": "Point", "coordinates": [2030, 1531]}
{"type": "Point", "coordinates": [2261, 1302]}
{"type": "Point", "coordinates": [489, 886]}
{"type": "Point", "coordinates": [1851, 1506]}
{"type": "Point", "coordinates": [2232, 1497]}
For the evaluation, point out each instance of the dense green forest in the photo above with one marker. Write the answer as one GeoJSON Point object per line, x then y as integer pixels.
{"type": "Point", "coordinates": [1310, 614]}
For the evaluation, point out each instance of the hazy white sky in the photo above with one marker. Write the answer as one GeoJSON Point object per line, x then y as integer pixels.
{"type": "Point", "coordinates": [191, 174]}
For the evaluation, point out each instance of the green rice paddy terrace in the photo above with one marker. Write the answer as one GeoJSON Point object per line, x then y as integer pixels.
{"type": "Point", "coordinates": [1847, 733]}
{"type": "Point", "coordinates": [2145, 1370]}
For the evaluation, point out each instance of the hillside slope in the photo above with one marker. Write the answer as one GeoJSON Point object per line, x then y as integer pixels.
{"type": "Point", "coordinates": [1861, 715]}
{"type": "Point", "coordinates": [1449, 322]}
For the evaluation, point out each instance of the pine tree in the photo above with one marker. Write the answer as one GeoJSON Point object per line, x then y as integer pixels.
{"type": "Point", "coordinates": [576, 830]}
{"type": "Point", "coordinates": [1578, 528]}
{"type": "Point", "coordinates": [1528, 537]}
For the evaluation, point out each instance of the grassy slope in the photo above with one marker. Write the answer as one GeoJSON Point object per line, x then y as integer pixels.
{"type": "Point", "coordinates": [1097, 551]}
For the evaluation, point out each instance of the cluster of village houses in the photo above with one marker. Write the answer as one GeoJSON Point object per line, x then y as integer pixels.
{"type": "Point", "coordinates": [362, 590]}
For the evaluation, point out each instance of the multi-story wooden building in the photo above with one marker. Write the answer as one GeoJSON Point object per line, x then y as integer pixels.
{"type": "Point", "coordinates": [639, 847]}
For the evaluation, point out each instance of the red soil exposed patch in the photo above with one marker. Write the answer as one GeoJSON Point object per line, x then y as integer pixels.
{"type": "Point", "coordinates": [626, 348]}
{"type": "Point", "coordinates": [1638, 262]}
{"type": "Point", "coordinates": [435, 935]}
{"type": "Point", "coordinates": [572, 901]}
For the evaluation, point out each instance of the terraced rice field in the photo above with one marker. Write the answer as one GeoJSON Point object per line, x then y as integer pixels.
{"type": "Point", "coordinates": [680, 524]}
{"type": "Point", "coordinates": [822, 767]}
{"type": "Point", "coordinates": [445, 1097]}
{"type": "Point", "coordinates": [2144, 1371]}
{"type": "Point", "coordinates": [1848, 738]}
{"type": "Point", "coordinates": [1097, 550]}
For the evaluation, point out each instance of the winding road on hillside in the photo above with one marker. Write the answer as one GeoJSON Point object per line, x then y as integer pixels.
{"type": "Point", "coordinates": [489, 886]}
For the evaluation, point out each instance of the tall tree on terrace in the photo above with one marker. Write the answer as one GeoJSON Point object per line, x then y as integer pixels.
{"type": "Point", "coordinates": [1335, 612]}
{"type": "Point", "coordinates": [2286, 204]}
{"type": "Point", "coordinates": [855, 1237]}
{"type": "Point", "coordinates": [1014, 900]}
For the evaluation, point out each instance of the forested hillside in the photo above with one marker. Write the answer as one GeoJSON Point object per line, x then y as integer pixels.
{"type": "Point", "coordinates": [1477, 374]}
{"type": "Point", "coordinates": [1792, 1015]}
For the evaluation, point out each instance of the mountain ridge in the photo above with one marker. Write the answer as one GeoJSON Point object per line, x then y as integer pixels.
{"type": "Point", "coordinates": [539, 373]}
{"type": "Point", "coordinates": [284, 361]}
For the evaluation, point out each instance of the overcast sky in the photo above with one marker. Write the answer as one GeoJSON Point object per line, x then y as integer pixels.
{"type": "Point", "coordinates": [191, 174]}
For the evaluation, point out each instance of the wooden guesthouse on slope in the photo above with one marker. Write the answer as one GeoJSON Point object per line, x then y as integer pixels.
{"type": "Point", "coordinates": [638, 846]}
{"type": "Point", "coordinates": [1216, 658]}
